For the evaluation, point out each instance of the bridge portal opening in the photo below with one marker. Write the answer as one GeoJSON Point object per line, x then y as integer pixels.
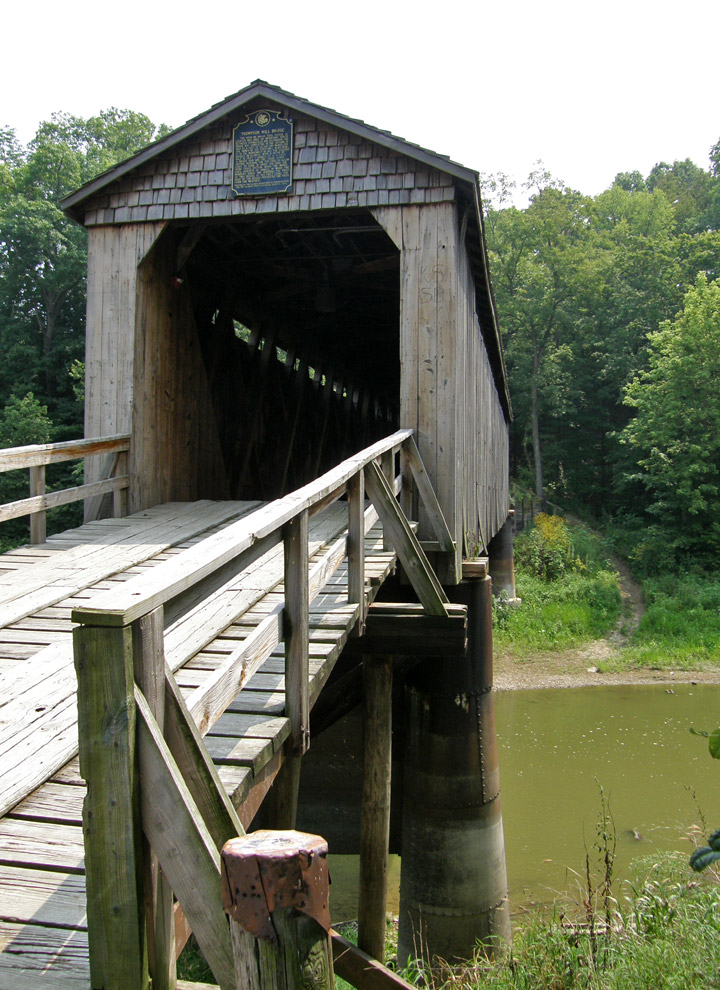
{"type": "Point", "coordinates": [297, 318]}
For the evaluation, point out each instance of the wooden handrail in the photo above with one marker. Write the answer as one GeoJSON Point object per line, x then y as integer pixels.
{"type": "Point", "coordinates": [36, 457]}
{"type": "Point", "coordinates": [140, 595]}
{"type": "Point", "coordinates": [32, 455]}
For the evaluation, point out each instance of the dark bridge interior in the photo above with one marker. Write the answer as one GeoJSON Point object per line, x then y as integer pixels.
{"type": "Point", "coordinates": [298, 320]}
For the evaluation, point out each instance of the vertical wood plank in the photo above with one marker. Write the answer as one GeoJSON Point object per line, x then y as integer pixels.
{"type": "Point", "coordinates": [409, 316]}
{"type": "Point", "coordinates": [120, 497]}
{"type": "Point", "coordinates": [375, 824]}
{"type": "Point", "coordinates": [111, 816]}
{"type": "Point", "coordinates": [296, 631]}
{"type": "Point", "coordinates": [282, 803]}
{"type": "Point", "coordinates": [356, 546]}
{"type": "Point", "coordinates": [149, 663]}
{"type": "Point", "coordinates": [387, 466]}
{"type": "Point", "coordinates": [185, 848]}
{"type": "Point", "coordinates": [175, 453]}
{"type": "Point", "coordinates": [37, 519]}
{"type": "Point", "coordinates": [450, 469]}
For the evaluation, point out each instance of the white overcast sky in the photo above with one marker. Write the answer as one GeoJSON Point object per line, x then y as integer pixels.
{"type": "Point", "coordinates": [591, 89]}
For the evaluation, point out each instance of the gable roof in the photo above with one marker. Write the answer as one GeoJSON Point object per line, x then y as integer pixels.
{"type": "Point", "coordinates": [233, 103]}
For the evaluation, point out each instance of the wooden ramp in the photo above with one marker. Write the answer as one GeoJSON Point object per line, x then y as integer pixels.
{"type": "Point", "coordinates": [222, 579]}
{"type": "Point", "coordinates": [42, 889]}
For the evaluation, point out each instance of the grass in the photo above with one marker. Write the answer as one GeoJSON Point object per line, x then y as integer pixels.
{"type": "Point", "coordinates": [192, 965]}
{"type": "Point", "coordinates": [570, 596]}
{"type": "Point", "coordinates": [664, 932]}
{"type": "Point", "coordinates": [680, 629]}
{"type": "Point", "coordinates": [569, 591]}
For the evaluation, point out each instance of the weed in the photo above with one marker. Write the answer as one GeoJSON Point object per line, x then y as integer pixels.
{"type": "Point", "coordinates": [666, 934]}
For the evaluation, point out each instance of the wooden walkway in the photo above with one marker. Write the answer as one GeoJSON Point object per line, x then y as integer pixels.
{"type": "Point", "coordinates": [43, 926]}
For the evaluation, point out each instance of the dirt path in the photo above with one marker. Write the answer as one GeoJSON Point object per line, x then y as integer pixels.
{"type": "Point", "coordinates": [578, 667]}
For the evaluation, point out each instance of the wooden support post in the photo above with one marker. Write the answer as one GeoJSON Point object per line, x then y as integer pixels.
{"type": "Point", "coordinates": [187, 853]}
{"type": "Point", "coordinates": [297, 686]}
{"type": "Point", "coordinates": [356, 546]}
{"type": "Point", "coordinates": [111, 818]}
{"type": "Point", "coordinates": [275, 889]}
{"type": "Point", "coordinates": [296, 631]}
{"type": "Point", "coordinates": [375, 825]}
{"type": "Point", "coordinates": [37, 519]}
{"type": "Point", "coordinates": [149, 661]}
{"type": "Point", "coordinates": [387, 466]}
{"type": "Point", "coordinates": [120, 497]}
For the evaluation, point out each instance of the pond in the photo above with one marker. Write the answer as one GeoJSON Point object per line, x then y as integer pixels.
{"type": "Point", "coordinates": [558, 748]}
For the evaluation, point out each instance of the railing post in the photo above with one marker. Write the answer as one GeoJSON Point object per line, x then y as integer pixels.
{"type": "Point", "coordinates": [120, 496]}
{"type": "Point", "coordinates": [111, 810]}
{"type": "Point", "coordinates": [37, 519]}
{"type": "Point", "coordinates": [296, 631]}
{"type": "Point", "coordinates": [356, 546]}
{"type": "Point", "coordinates": [149, 663]}
{"type": "Point", "coordinates": [282, 803]}
{"type": "Point", "coordinates": [275, 889]}
{"type": "Point", "coordinates": [387, 466]}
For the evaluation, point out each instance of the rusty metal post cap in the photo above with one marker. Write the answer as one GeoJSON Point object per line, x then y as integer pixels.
{"type": "Point", "coordinates": [268, 870]}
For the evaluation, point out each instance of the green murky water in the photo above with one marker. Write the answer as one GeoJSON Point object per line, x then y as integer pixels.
{"type": "Point", "coordinates": [557, 748]}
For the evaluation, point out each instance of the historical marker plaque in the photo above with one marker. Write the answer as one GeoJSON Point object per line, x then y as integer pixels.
{"type": "Point", "coordinates": [262, 154]}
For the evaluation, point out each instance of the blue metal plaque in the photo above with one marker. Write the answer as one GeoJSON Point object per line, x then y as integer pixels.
{"type": "Point", "coordinates": [262, 154]}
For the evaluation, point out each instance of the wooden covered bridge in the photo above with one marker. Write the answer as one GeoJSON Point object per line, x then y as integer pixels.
{"type": "Point", "coordinates": [291, 353]}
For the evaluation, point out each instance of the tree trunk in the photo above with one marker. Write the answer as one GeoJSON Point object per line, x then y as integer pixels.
{"type": "Point", "coordinates": [535, 418]}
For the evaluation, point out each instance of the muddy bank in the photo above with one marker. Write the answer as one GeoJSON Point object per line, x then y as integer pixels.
{"type": "Point", "coordinates": [562, 671]}
{"type": "Point", "coordinates": [578, 667]}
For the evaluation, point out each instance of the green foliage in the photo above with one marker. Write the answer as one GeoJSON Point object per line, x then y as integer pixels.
{"type": "Point", "coordinates": [192, 965]}
{"type": "Point", "coordinates": [43, 256]}
{"type": "Point", "coordinates": [569, 592]}
{"type": "Point", "coordinates": [546, 549]}
{"type": "Point", "coordinates": [581, 285]}
{"type": "Point", "coordinates": [24, 420]}
{"type": "Point", "coordinates": [560, 615]}
{"type": "Point", "coordinates": [676, 431]}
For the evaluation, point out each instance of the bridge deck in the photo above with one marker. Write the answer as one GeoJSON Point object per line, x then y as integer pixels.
{"type": "Point", "coordinates": [43, 931]}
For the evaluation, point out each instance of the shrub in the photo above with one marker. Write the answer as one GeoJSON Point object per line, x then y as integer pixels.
{"type": "Point", "coordinates": [547, 549]}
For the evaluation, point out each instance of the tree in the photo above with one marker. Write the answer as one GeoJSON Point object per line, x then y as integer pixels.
{"type": "Point", "coordinates": [24, 420]}
{"type": "Point", "coordinates": [688, 189]}
{"type": "Point", "coordinates": [43, 254]}
{"type": "Point", "coordinates": [635, 289]}
{"type": "Point", "coordinates": [537, 261]}
{"type": "Point", "coordinates": [676, 429]}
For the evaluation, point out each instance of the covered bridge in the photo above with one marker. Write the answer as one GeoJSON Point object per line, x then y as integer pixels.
{"type": "Point", "coordinates": [249, 341]}
{"type": "Point", "coordinates": [287, 309]}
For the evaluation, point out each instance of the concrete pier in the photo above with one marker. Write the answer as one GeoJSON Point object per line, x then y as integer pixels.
{"type": "Point", "coordinates": [453, 889]}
